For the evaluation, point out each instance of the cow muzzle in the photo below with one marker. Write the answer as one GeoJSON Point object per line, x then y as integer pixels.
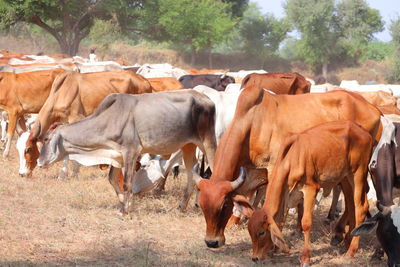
{"type": "Point", "coordinates": [27, 174]}
{"type": "Point", "coordinates": [216, 243]}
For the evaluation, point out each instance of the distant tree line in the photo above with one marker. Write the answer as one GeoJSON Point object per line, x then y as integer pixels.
{"type": "Point", "coordinates": [326, 31]}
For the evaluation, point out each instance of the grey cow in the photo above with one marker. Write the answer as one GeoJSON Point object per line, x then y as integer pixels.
{"type": "Point", "coordinates": [125, 126]}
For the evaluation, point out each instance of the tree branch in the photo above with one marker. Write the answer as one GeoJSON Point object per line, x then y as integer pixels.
{"type": "Point", "coordinates": [38, 21]}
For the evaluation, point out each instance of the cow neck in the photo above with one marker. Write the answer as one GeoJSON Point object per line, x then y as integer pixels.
{"type": "Point", "coordinates": [229, 150]}
{"type": "Point", "coordinates": [277, 187]}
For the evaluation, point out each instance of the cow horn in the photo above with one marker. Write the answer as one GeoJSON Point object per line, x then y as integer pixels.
{"type": "Point", "coordinates": [197, 178]}
{"type": "Point", "coordinates": [223, 75]}
{"type": "Point", "coordinates": [239, 181]}
{"type": "Point", "coordinates": [384, 209]}
{"type": "Point", "coordinates": [37, 130]}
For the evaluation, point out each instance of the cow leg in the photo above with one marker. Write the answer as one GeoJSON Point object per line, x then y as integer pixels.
{"type": "Point", "coordinates": [300, 213]}
{"type": "Point", "coordinates": [339, 229]}
{"type": "Point", "coordinates": [114, 177]}
{"type": "Point", "coordinates": [75, 169]}
{"type": "Point", "coordinates": [64, 170]}
{"type": "Point", "coordinates": [130, 159]}
{"type": "Point", "coordinates": [310, 193]}
{"type": "Point", "coordinates": [361, 207]}
{"type": "Point", "coordinates": [335, 200]}
{"type": "Point", "coordinates": [12, 117]}
{"type": "Point", "coordinates": [189, 158]}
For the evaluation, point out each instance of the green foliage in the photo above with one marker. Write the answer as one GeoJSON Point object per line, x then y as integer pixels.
{"type": "Point", "coordinates": [378, 51]}
{"type": "Point", "coordinates": [357, 24]}
{"type": "Point", "coordinates": [331, 29]}
{"type": "Point", "coordinates": [394, 75]}
{"type": "Point", "coordinates": [198, 24]}
{"type": "Point", "coordinates": [261, 35]}
{"type": "Point", "coordinates": [237, 7]}
{"type": "Point", "coordinates": [68, 21]}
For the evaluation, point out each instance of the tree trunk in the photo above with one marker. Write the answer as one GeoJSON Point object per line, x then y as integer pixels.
{"type": "Point", "coordinates": [193, 57]}
{"type": "Point", "coordinates": [210, 59]}
{"type": "Point", "coordinates": [325, 70]}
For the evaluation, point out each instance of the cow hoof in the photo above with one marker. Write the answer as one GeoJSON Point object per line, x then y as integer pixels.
{"type": "Point", "coordinates": [305, 264]}
{"type": "Point", "coordinates": [182, 208]}
{"type": "Point", "coordinates": [336, 240]}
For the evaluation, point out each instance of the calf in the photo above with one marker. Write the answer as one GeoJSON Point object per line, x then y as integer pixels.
{"type": "Point", "coordinates": [323, 156]}
{"type": "Point", "coordinates": [172, 120]}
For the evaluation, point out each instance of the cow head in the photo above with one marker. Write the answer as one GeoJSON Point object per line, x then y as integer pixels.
{"type": "Point", "coordinates": [216, 200]}
{"type": "Point", "coordinates": [28, 151]}
{"type": "Point", "coordinates": [224, 81]}
{"type": "Point", "coordinates": [52, 149]}
{"type": "Point", "coordinates": [388, 231]}
{"type": "Point", "coordinates": [264, 235]}
{"type": "Point", "coordinates": [301, 85]}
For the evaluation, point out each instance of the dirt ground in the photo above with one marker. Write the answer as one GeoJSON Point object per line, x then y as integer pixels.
{"type": "Point", "coordinates": [75, 222]}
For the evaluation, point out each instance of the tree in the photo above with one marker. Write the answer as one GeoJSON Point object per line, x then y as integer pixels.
{"type": "Point", "coordinates": [394, 75]}
{"type": "Point", "coordinates": [357, 23]}
{"type": "Point", "coordinates": [328, 30]}
{"type": "Point", "coordinates": [261, 34]}
{"type": "Point", "coordinates": [68, 21]}
{"type": "Point", "coordinates": [198, 24]}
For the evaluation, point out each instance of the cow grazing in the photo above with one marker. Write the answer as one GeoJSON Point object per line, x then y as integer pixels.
{"type": "Point", "coordinates": [253, 139]}
{"type": "Point", "coordinates": [320, 157]}
{"type": "Point", "coordinates": [24, 93]}
{"type": "Point", "coordinates": [165, 84]}
{"type": "Point", "coordinates": [385, 171]}
{"type": "Point", "coordinates": [173, 120]}
{"type": "Point", "coordinates": [74, 96]}
{"type": "Point", "coordinates": [279, 83]}
{"type": "Point", "coordinates": [218, 82]}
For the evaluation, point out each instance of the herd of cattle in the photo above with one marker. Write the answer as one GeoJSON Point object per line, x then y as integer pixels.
{"type": "Point", "coordinates": [264, 137]}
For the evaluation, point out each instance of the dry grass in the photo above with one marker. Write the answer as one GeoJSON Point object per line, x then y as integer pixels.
{"type": "Point", "coordinates": [74, 222]}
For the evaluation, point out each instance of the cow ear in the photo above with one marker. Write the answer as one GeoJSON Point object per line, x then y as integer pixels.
{"type": "Point", "coordinates": [277, 238]}
{"type": "Point", "coordinates": [368, 226]}
{"type": "Point", "coordinates": [243, 205]}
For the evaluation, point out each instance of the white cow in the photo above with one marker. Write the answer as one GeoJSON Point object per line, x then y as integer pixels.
{"type": "Point", "coordinates": [156, 170]}
{"type": "Point", "coordinates": [160, 70]}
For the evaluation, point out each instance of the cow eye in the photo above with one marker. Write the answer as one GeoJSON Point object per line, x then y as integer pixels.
{"type": "Point", "coordinates": [46, 139]}
{"type": "Point", "coordinates": [225, 205]}
{"type": "Point", "coordinates": [261, 233]}
{"type": "Point", "coordinates": [28, 150]}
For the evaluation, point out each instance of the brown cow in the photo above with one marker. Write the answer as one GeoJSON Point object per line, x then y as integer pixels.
{"type": "Point", "coordinates": [279, 83]}
{"type": "Point", "coordinates": [253, 138]}
{"type": "Point", "coordinates": [74, 96]}
{"type": "Point", "coordinates": [320, 157]}
{"type": "Point", "coordinates": [165, 84]}
{"type": "Point", "coordinates": [24, 93]}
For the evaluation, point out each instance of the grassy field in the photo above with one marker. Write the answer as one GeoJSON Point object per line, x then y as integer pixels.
{"type": "Point", "coordinates": [75, 222]}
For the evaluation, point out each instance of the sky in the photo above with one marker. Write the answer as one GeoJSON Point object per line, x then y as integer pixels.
{"type": "Point", "coordinates": [389, 10]}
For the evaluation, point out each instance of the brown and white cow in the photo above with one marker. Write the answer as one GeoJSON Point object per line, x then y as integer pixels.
{"type": "Point", "coordinates": [253, 139]}
{"type": "Point", "coordinates": [320, 157]}
{"type": "Point", "coordinates": [385, 170]}
{"type": "Point", "coordinates": [74, 96]}
{"type": "Point", "coordinates": [24, 93]}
